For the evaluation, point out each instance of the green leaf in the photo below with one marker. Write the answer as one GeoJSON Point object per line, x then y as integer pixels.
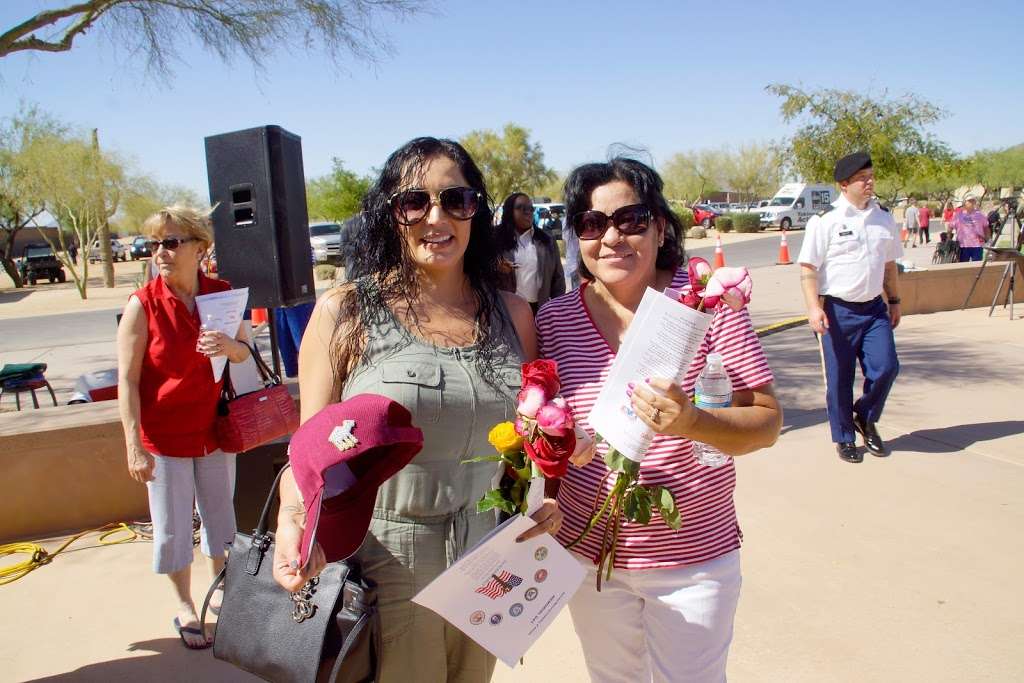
{"type": "Point", "coordinates": [629, 505]}
{"type": "Point", "coordinates": [495, 499]}
{"type": "Point", "coordinates": [643, 504]}
{"type": "Point", "coordinates": [666, 505]}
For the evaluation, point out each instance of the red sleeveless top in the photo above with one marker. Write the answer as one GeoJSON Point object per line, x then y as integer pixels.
{"type": "Point", "coordinates": [177, 394]}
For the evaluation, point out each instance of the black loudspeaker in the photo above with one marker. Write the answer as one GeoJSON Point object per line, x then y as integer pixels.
{"type": "Point", "coordinates": [260, 223]}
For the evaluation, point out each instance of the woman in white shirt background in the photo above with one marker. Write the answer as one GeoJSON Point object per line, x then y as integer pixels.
{"type": "Point", "coordinates": [533, 253]}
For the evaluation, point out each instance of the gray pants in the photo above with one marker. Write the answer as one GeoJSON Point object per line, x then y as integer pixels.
{"type": "Point", "coordinates": [180, 485]}
{"type": "Point", "coordinates": [403, 555]}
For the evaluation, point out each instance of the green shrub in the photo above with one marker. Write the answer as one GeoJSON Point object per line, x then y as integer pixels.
{"type": "Point", "coordinates": [746, 222]}
{"type": "Point", "coordinates": [325, 271]}
{"type": "Point", "coordinates": [685, 217]}
{"type": "Point", "coordinates": [724, 223]}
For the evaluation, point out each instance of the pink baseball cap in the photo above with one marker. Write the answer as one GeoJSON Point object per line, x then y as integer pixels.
{"type": "Point", "coordinates": [340, 457]}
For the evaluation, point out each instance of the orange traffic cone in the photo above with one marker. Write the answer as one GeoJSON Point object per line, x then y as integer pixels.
{"type": "Point", "coordinates": [259, 316]}
{"type": "Point", "coordinates": [783, 252]}
{"type": "Point", "coordinates": [719, 254]}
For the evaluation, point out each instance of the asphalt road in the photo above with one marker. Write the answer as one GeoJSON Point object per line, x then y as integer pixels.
{"type": "Point", "coordinates": [754, 253]}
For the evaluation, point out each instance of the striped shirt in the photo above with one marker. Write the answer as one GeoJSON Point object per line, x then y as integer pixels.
{"type": "Point", "coordinates": [569, 336]}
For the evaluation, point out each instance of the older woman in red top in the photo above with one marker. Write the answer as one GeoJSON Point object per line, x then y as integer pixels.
{"type": "Point", "coordinates": [168, 402]}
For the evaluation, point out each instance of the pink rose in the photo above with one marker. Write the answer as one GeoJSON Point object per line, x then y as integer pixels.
{"type": "Point", "coordinates": [689, 297]}
{"type": "Point", "coordinates": [699, 271]}
{"type": "Point", "coordinates": [730, 285]}
{"type": "Point", "coordinates": [530, 400]}
{"type": "Point", "coordinates": [555, 418]}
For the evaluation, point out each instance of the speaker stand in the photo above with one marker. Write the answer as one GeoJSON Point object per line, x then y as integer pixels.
{"type": "Point", "coordinates": [275, 350]}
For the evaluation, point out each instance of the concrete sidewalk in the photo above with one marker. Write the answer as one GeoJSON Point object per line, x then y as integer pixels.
{"type": "Point", "coordinates": [902, 568]}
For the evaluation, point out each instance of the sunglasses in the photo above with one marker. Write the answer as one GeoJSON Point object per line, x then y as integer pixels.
{"type": "Point", "coordinates": [524, 209]}
{"type": "Point", "coordinates": [628, 220]}
{"type": "Point", "coordinates": [411, 206]}
{"type": "Point", "coordinates": [170, 243]}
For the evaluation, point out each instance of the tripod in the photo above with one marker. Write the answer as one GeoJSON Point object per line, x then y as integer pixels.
{"type": "Point", "coordinates": [1011, 255]}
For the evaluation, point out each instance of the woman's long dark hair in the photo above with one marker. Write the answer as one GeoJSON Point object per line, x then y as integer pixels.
{"type": "Point", "coordinates": [507, 234]}
{"type": "Point", "coordinates": [392, 276]}
{"type": "Point", "coordinates": [647, 184]}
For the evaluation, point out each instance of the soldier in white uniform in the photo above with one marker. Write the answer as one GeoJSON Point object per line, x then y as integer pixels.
{"type": "Point", "coordinates": [847, 261]}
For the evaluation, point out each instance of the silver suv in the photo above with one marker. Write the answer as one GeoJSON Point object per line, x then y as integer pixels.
{"type": "Point", "coordinates": [325, 241]}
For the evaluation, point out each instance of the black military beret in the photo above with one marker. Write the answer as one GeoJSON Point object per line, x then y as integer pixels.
{"type": "Point", "coordinates": [850, 164]}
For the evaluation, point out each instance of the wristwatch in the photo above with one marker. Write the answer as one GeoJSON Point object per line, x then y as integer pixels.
{"type": "Point", "coordinates": [894, 300]}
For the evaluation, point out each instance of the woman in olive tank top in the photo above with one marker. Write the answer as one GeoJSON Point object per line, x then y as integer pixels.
{"type": "Point", "coordinates": [428, 328]}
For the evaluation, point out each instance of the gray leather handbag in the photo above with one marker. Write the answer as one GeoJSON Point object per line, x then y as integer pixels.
{"type": "Point", "coordinates": [326, 631]}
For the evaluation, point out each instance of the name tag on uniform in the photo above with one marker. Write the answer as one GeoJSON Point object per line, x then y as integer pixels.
{"type": "Point", "coordinates": [845, 233]}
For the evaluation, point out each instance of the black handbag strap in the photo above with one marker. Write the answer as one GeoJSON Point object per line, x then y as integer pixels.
{"type": "Point", "coordinates": [351, 639]}
{"type": "Point", "coordinates": [259, 533]}
{"type": "Point", "coordinates": [217, 582]}
{"type": "Point", "coordinates": [267, 376]}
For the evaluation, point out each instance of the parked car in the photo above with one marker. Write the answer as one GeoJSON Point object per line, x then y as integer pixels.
{"type": "Point", "coordinates": [704, 215]}
{"type": "Point", "coordinates": [325, 241]}
{"type": "Point", "coordinates": [117, 251]}
{"type": "Point", "coordinates": [139, 249]}
{"type": "Point", "coordinates": [37, 262]}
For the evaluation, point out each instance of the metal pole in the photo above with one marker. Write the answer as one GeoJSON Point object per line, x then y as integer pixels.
{"type": "Point", "coordinates": [275, 351]}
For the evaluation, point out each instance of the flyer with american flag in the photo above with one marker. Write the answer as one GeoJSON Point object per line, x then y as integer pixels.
{"type": "Point", "coordinates": [504, 594]}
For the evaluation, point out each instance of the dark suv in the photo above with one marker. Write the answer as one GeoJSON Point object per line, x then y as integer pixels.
{"type": "Point", "coordinates": [38, 261]}
{"type": "Point", "coordinates": [139, 248]}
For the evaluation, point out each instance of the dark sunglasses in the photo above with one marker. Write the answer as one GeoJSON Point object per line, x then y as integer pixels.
{"type": "Point", "coordinates": [411, 206]}
{"type": "Point", "coordinates": [628, 220]}
{"type": "Point", "coordinates": [170, 244]}
{"type": "Point", "coordinates": [524, 209]}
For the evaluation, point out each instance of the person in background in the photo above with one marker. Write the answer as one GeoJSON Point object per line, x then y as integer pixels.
{"type": "Point", "coordinates": [970, 228]}
{"type": "Point", "coordinates": [847, 261]}
{"type": "Point", "coordinates": [925, 221]}
{"type": "Point", "coordinates": [426, 327]}
{"type": "Point", "coordinates": [291, 324]}
{"type": "Point", "coordinates": [947, 216]}
{"type": "Point", "coordinates": [911, 222]}
{"type": "Point", "coordinates": [73, 252]}
{"type": "Point", "coordinates": [667, 612]}
{"type": "Point", "coordinates": [168, 397]}
{"type": "Point", "coordinates": [534, 253]}
{"type": "Point", "coordinates": [572, 256]}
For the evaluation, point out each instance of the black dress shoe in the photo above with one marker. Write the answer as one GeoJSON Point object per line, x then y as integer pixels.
{"type": "Point", "coordinates": [848, 451]}
{"type": "Point", "coordinates": [872, 440]}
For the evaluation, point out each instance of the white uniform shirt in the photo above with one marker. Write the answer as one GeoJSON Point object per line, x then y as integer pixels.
{"type": "Point", "coordinates": [527, 273]}
{"type": "Point", "coordinates": [850, 248]}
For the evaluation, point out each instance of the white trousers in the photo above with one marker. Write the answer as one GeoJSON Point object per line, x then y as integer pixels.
{"type": "Point", "coordinates": [180, 485]}
{"type": "Point", "coordinates": [671, 624]}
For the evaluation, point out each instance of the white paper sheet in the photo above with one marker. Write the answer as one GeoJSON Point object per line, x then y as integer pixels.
{"type": "Point", "coordinates": [222, 311]}
{"type": "Point", "coordinates": [662, 341]}
{"type": "Point", "coordinates": [504, 594]}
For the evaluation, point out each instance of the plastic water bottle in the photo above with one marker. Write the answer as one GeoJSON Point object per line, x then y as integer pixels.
{"type": "Point", "coordinates": [712, 390]}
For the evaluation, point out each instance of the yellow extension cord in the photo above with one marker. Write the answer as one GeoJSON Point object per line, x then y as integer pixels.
{"type": "Point", "coordinates": [39, 556]}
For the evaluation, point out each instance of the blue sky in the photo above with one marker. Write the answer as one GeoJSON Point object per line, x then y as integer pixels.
{"type": "Point", "coordinates": [665, 76]}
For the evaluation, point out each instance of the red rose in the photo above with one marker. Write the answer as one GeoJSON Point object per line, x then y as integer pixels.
{"type": "Point", "coordinates": [542, 373]}
{"type": "Point", "coordinates": [551, 453]}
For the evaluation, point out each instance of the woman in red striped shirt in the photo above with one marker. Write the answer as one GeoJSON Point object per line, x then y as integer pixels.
{"type": "Point", "coordinates": [668, 609]}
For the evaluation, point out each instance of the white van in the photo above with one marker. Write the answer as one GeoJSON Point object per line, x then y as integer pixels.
{"type": "Point", "coordinates": [795, 203]}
